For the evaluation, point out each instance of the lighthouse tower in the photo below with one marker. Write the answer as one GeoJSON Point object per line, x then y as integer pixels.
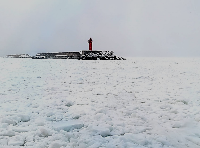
{"type": "Point", "coordinates": [90, 44]}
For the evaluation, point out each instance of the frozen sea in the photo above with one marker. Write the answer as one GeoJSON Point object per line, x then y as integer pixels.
{"type": "Point", "coordinates": [137, 103]}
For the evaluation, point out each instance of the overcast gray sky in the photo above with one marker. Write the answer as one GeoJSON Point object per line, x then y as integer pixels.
{"type": "Point", "coordinates": [128, 27]}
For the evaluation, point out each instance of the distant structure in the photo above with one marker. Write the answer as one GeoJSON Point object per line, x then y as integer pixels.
{"type": "Point", "coordinates": [18, 56]}
{"type": "Point", "coordinates": [58, 55]}
{"type": "Point", "coordinates": [98, 55]}
{"type": "Point", "coordinates": [82, 55]}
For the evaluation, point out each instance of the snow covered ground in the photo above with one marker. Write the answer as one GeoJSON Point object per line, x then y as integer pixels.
{"type": "Point", "coordinates": [139, 103]}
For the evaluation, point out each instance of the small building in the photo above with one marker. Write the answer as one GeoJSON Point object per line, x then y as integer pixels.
{"type": "Point", "coordinates": [18, 56]}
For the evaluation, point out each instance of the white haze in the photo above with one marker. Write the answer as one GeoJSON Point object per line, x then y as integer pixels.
{"type": "Point", "coordinates": [129, 28]}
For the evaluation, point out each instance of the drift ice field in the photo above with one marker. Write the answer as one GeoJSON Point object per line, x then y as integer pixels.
{"type": "Point", "coordinates": [136, 103]}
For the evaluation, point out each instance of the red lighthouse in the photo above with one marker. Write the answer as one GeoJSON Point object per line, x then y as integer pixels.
{"type": "Point", "coordinates": [90, 44]}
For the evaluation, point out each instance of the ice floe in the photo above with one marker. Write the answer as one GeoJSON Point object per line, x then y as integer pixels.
{"type": "Point", "coordinates": [139, 102]}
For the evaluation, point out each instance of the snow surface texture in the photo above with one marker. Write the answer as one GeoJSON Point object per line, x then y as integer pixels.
{"type": "Point", "coordinates": [140, 102]}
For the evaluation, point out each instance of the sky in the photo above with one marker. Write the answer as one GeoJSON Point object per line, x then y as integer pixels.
{"type": "Point", "coordinates": [130, 28]}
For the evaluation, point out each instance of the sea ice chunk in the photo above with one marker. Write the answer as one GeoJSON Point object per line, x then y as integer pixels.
{"type": "Point", "coordinates": [68, 125]}
{"type": "Point", "coordinates": [9, 133]}
{"type": "Point", "coordinates": [55, 145]}
{"type": "Point", "coordinates": [20, 129]}
{"type": "Point", "coordinates": [16, 141]}
{"type": "Point", "coordinates": [101, 130]}
{"type": "Point", "coordinates": [43, 132]}
{"type": "Point", "coordinates": [24, 118]}
{"type": "Point", "coordinates": [8, 121]}
{"type": "Point", "coordinates": [177, 125]}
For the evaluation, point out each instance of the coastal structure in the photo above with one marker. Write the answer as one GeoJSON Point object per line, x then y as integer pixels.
{"type": "Point", "coordinates": [82, 55]}
{"type": "Point", "coordinates": [18, 56]}
{"type": "Point", "coordinates": [58, 55]}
